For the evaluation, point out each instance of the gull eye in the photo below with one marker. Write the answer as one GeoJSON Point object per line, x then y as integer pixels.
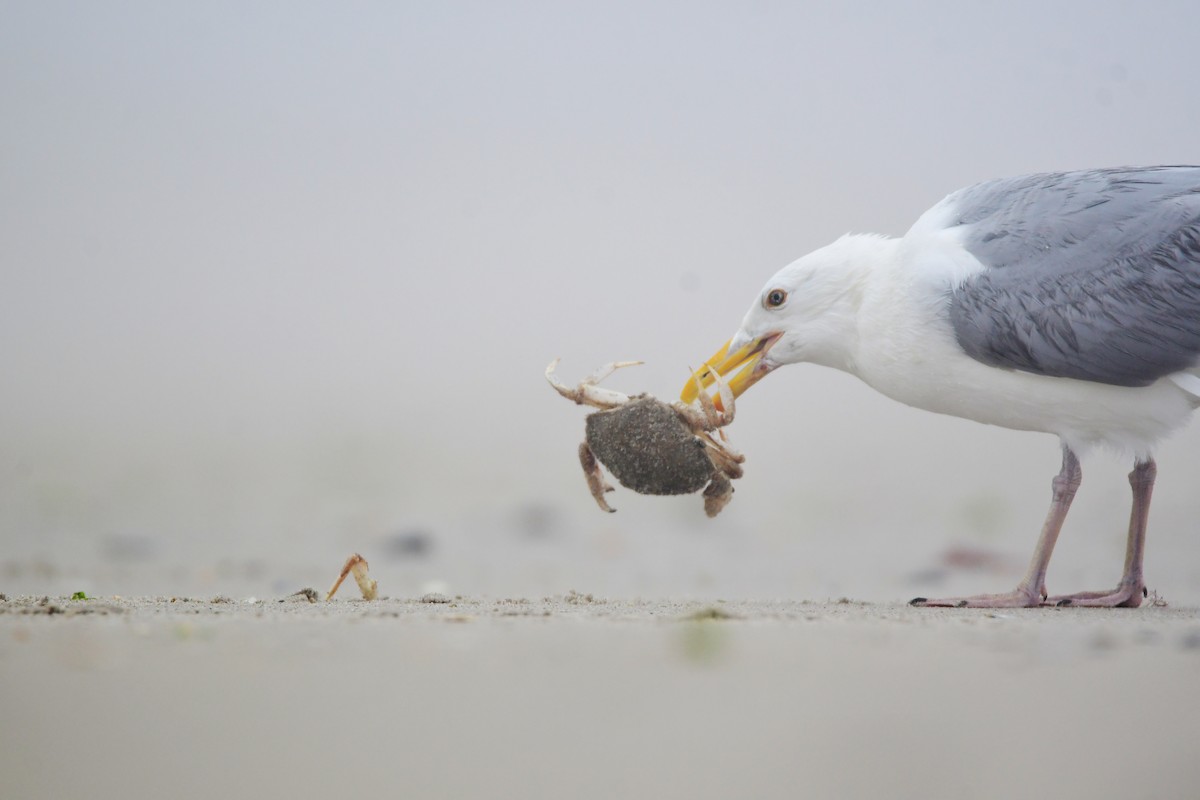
{"type": "Point", "coordinates": [775, 298]}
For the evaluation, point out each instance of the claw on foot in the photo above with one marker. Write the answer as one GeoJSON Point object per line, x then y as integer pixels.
{"type": "Point", "coordinates": [925, 602]}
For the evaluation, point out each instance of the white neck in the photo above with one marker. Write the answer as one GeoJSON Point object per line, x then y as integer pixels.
{"type": "Point", "coordinates": [845, 282]}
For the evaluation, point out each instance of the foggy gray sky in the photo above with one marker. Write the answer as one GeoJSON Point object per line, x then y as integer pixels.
{"type": "Point", "coordinates": [268, 266]}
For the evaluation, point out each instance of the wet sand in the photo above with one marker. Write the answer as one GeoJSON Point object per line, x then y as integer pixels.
{"type": "Point", "coordinates": [582, 696]}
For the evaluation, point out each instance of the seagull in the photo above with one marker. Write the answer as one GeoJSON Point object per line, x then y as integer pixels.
{"type": "Point", "coordinates": [1066, 302]}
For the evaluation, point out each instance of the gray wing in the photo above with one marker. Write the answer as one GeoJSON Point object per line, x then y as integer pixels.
{"type": "Point", "coordinates": [1092, 275]}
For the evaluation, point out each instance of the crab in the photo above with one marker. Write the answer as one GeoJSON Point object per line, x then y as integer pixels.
{"type": "Point", "coordinates": [654, 447]}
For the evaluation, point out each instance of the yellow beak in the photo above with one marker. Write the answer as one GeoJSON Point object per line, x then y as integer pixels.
{"type": "Point", "coordinates": [748, 357]}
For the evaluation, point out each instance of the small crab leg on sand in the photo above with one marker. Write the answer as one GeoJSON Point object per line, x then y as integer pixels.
{"type": "Point", "coordinates": [358, 565]}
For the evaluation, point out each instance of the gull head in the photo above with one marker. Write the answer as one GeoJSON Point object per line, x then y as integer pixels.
{"type": "Point", "coordinates": [806, 312]}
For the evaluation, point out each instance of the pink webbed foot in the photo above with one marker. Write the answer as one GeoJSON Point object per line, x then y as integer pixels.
{"type": "Point", "coordinates": [1127, 595]}
{"type": "Point", "coordinates": [1017, 598]}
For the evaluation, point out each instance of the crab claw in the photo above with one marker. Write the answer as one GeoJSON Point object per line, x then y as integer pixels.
{"type": "Point", "coordinates": [717, 495]}
{"type": "Point", "coordinates": [558, 387]}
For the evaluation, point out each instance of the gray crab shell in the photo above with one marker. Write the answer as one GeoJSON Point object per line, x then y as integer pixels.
{"type": "Point", "coordinates": [648, 448]}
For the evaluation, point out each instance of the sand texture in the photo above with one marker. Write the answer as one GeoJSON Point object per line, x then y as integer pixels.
{"type": "Point", "coordinates": [582, 696]}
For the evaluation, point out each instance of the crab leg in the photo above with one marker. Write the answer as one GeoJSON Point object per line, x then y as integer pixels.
{"type": "Point", "coordinates": [595, 477]}
{"type": "Point", "coordinates": [717, 495]}
{"type": "Point", "coordinates": [605, 370]}
{"type": "Point", "coordinates": [356, 565]}
{"type": "Point", "coordinates": [710, 416]}
{"type": "Point", "coordinates": [727, 460]}
{"type": "Point", "coordinates": [726, 396]}
{"type": "Point", "coordinates": [586, 393]}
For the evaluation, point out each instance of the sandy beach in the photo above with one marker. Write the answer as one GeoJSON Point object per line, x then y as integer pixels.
{"type": "Point", "coordinates": [583, 696]}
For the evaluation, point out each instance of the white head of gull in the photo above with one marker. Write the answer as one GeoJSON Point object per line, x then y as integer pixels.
{"type": "Point", "coordinates": [1067, 303]}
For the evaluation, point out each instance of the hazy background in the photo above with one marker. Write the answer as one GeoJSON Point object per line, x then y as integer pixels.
{"type": "Point", "coordinates": [278, 282]}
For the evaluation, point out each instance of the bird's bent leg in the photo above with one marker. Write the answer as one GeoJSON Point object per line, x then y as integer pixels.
{"type": "Point", "coordinates": [1132, 588]}
{"type": "Point", "coordinates": [595, 476]}
{"type": "Point", "coordinates": [1031, 591]}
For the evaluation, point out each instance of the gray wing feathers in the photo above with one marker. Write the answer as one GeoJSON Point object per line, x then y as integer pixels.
{"type": "Point", "coordinates": [1090, 275]}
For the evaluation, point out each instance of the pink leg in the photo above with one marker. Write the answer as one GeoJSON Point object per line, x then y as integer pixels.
{"type": "Point", "coordinates": [1031, 591]}
{"type": "Point", "coordinates": [1132, 588]}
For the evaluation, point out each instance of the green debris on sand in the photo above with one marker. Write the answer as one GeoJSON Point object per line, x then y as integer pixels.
{"type": "Point", "coordinates": [80, 596]}
{"type": "Point", "coordinates": [703, 639]}
{"type": "Point", "coordinates": [710, 612]}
